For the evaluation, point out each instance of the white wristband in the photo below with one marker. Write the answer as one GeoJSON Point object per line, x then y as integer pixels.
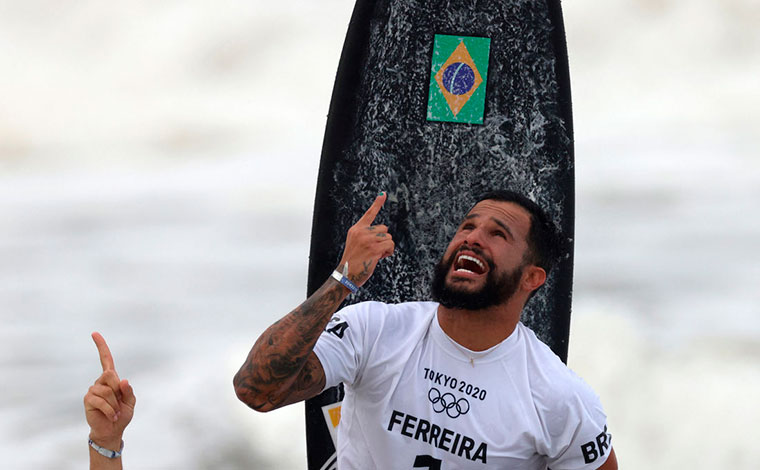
{"type": "Point", "coordinates": [343, 279]}
{"type": "Point", "coordinates": [111, 454]}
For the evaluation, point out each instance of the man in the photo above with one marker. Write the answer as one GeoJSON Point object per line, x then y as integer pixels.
{"type": "Point", "coordinates": [109, 405]}
{"type": "Point", "coordinates": [457, 383]}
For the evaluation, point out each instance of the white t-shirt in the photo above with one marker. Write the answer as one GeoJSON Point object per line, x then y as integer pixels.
{"type": "Point", "coordinates": [416, 399]}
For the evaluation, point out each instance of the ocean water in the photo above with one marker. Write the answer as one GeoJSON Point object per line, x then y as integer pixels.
{"type": "Point", "coordinates": [157, 171]}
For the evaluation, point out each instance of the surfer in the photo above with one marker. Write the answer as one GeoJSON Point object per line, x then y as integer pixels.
{"type": "Point", "coordinates": [459, 382]}
{"type": "Point", "coordinates": [109, 406]}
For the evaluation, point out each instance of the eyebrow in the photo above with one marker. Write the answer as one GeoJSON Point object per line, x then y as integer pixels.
{"type": "Point", "coordinates": [495, 220]}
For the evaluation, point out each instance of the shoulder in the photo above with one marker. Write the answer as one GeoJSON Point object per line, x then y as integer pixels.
{"type": "Point", "coordinates": [378, 319]}
{"type": "Point", "coordinates": [557, 391]}
{"type": "Point", "coordinates": [572, 423]}
{"type": "Point", "coordinates": [386, 314]}
{"type": "Point", "coordinates": [544, 366]}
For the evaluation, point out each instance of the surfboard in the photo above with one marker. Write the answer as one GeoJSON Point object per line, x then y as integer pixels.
{"type": "Point", "coordinates": [436, 102]}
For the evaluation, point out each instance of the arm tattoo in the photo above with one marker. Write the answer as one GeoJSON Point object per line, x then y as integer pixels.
{"type": "Point", "coordinates": [281, 368]}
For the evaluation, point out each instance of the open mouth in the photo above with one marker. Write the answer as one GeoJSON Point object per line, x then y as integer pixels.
{"type": "Point", "coordinates": [469, 264]}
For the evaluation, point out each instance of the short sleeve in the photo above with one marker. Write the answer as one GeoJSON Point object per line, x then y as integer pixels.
{"type": "Point", "coordinates": [578, 431]}
{"type": "Point", "coordinates": [340, 347]}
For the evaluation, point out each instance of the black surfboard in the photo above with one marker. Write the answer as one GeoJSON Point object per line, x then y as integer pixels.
{"type": "Point", "coordinates": [435, 102]}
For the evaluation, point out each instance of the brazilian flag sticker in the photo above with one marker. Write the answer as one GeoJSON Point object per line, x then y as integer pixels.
{"type": "Point", "coordinates": [458, 79]}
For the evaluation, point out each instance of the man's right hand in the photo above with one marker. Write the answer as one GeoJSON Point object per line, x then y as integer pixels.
{"type": "Point", "coordinates": [366, 244]}
{"type": "Point", "coordinates": [281, 367]}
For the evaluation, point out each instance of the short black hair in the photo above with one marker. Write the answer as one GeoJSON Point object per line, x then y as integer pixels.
{"type": "Point", "coordinates": [543, 236]}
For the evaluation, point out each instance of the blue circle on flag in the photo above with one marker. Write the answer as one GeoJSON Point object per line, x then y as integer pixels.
{"type": "Point", "coordinates": [458, 78]}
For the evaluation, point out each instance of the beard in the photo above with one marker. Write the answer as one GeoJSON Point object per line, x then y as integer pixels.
{"type": "Point", "coordinates": [497, 289]}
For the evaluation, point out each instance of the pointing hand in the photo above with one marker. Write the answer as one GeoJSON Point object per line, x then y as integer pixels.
{"type": "Point", "coordinates": [366, 244]}
{"type": "Point", "coordinates": [109, 404]}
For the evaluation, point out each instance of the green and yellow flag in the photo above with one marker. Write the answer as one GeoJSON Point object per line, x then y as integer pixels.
{"type": "Point", "coordinates": [458, 79]}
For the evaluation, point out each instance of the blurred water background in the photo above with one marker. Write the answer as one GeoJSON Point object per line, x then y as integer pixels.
{"type": "Point", "coordinates": [157, 172]}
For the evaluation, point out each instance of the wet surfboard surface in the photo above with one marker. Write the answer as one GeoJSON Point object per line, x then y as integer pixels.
{"type": "Point", "coordinates": [436, 102]}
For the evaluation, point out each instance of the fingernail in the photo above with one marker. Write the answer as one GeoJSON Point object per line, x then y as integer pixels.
{"type": "Point", "coordinates": [381, 193]}
{"type": "Point", "coordinates": [116, 416]}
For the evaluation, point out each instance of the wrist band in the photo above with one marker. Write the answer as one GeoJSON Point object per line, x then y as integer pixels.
{"type": "Point", "coordinates": [108, 453]}
{"type": "Point", "coordinates": [344, 280]}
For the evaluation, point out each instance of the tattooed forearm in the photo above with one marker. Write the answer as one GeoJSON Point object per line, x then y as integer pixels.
{"type": "Point", "coordinates": [281, 367]}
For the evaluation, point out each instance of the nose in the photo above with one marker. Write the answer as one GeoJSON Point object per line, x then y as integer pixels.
{"type": "Point", "coordinates": [474, 237]}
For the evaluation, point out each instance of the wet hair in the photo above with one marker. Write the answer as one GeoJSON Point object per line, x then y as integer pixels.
{"type": "Point", "coordinates": [543, 237]}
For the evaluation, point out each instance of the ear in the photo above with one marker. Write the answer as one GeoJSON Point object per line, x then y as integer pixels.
{"type": "Point", "coordinates": [533, 278]}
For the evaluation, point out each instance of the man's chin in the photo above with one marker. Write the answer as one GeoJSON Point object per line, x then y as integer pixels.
{"type": "Point", "coordinates": [461, 301]}
{"type": "Point", "coordinates": [465, 283]}
{"type": "Point", "coordinates": [462, 295]}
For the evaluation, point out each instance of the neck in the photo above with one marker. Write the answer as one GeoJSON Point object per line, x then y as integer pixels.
{"type": "Point", "coordinates": [479, 330]}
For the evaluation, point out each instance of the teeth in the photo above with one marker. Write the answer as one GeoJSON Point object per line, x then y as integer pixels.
{"type": "Point", "coordinates": [462, 270]}
{"type": "Point", "coordinates": [474, 260]}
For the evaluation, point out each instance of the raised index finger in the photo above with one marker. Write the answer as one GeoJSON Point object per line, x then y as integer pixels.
{"type": "Point", "coordinates": [373, 210]}
{"type": "Point", "coordinates": [106, 360]}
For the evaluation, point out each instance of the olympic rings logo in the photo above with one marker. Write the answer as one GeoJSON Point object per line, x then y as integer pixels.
{"type": "Point", "coordinates": [447, 402]}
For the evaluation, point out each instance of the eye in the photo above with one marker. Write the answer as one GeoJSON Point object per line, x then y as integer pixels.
{"type": "Point", "coordinates": [467, 226]}
{"type": "Point", "coordinates": [499, 233]}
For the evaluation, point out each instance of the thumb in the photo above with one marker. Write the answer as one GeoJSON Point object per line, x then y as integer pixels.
{"type": "Point", "coordinates": [127, 394]}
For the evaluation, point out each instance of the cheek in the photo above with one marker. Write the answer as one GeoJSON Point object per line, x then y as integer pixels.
{"type": "Point", "coordinates": [508, 259]}
{"type": "Point", "coordinates": [447, 253]}
{"type": "Point", "coordinates": [450, 250]}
